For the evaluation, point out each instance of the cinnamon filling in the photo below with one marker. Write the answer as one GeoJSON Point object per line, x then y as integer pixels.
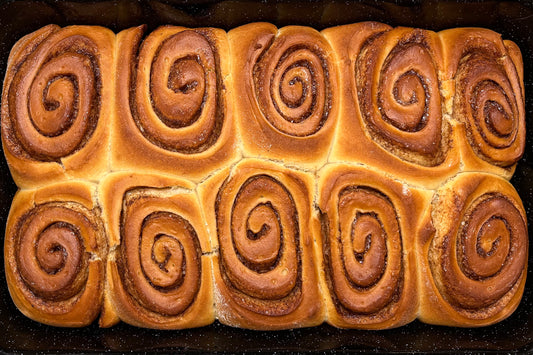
{"type": "Point", "coordinates": [260, 256]}
{"type": "Point", "coordinates": [298, 98]}
{"type": "Point", "coordinates": [183, 110]}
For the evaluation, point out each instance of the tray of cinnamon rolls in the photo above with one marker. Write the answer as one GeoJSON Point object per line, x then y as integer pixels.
{"type": "Point", "coordinates": [276, 176]}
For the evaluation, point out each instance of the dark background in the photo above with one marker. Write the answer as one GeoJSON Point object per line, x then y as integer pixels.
{"type": "Point", "coordinates": [514, 20]}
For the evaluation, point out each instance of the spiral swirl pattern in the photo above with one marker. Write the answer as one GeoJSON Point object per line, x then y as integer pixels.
{"type": "Point", "coordinates": [177, 103]}
{"type": "Point", "coordinates": [159, 257]}
{"type": "Point", "coordinates": [398, 94]}
{"type": "Point", "coordinates": [363, 249]}
{"type": "Point", "coordinates": [54, 97]}
{"type": "Point", "coordinates": [53, 246]}
{"type": "Point", "coordinates": [489, 100]}
{"type": "Point", "coordinates": [292, 84]}
{"type": "Point", "coordinates": [481, 258]}
{"type": "Point", "coordinates": [169, 101]}
{"type": "Point", "coordinates": [259, 239]}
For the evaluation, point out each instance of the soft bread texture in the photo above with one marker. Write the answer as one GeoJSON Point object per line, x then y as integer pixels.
{"type": "Point", "coordinates": [392, 104]}
{"type": "Point", "coordinates": [57, 105]}
{"type": "Point", "coordinates": [182, 123]}
{"type": "Point", "coordinates": [287, 84]}
{"type": "Point", "coordinates": [265, 273]}
{"type": "Point", "coordinates": [55, 252]}
{"type": "Point", "coordinates": [485, 98]}
{"type": "Point", "coordinates": [368, 224]}
{"type": "Point", "coordinates": [155, 224]}
{"type": "Point", "coordinates": [268, 178]}
{"type": "Point", "coordinates": [473, 251]}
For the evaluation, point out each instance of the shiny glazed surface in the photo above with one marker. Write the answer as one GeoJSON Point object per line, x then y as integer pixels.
{"type": "Point", "coordinates": [514, 333]}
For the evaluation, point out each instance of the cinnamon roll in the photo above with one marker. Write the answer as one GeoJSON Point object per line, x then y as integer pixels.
{"type": "Point", "coordinates": [158, 271]}
{"type": "Point", "coordinates": [264, 268]}
{"type": "Point", "coordinates": [473, 252]}
{"type": "Point", "coordinates": [392, 105]}
{"type": "Point", "coordinates": [55, 251]}
{"type": "Point", "coordinates": [368, 226]}
{"type": "Point", "coordinates": [269, 178]}
{"type": "Point", "coordinates": [174, 102]}
{"type": "Point", "coordinates": [286, 80]}
{"type": "Point", "coordinates": [487, 98]}
{"type": "Point", "coordinates": [57, 104]}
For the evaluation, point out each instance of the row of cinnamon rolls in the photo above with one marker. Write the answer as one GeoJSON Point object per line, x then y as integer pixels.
{"type": "Point", "coordinates": [259, 245]}
{"type": "Point", "coordinates": [81, 101]}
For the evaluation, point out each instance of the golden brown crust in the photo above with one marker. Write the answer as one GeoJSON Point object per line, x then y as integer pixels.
{"type": "Point", "coordinates": [57, 104]}
{"type": "Point", "coordinates": [390, 82]}
{"type": "Point", "coordinates": [155, 224]}
{"type": "Point", "coordinates": [286, 80]}
{"type": "Point", "coordinates": [55, 250]}
{"type": "Point", "coordinates": [264, 270]}
{"type": "Point", "coordinates": [368, 225]}
{"type": "Point", "coordinates": [472, 250]}
{"type": "Point", "coordinates": [174, 103]}
{"type": "Point", "coordinates": [273, 178]}
{"type": "Point", "coordinates": [486, 98]}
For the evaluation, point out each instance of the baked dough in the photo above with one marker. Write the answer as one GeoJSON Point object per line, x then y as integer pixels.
{"type": "Point", "coordinates": [286, 82]}
{"type": "Point", "coordinates": [155, 225]}
{"type": "Point", "coordinates": [368, 224]}
{"type": "Point", "coordinates": [174, 108]}
{"type": "Point", "coordinates": [392, 104]}
{"type": "Point", "coordinates": [265, 269]}
{"type": "Point", "coordinates": [270, 178]}
{"type": "Point", "coordinates": [57, 105]}
{"type": "Point", "coordinates": [472, 252]}
{"type": "Point", "coordinates": [55, 252]}
{"type": "Point", "coordinates": [485, 94]}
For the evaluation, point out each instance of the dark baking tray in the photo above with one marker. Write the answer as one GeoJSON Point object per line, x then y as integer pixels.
{"type": "Point", "coordinates": [514, 20]}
